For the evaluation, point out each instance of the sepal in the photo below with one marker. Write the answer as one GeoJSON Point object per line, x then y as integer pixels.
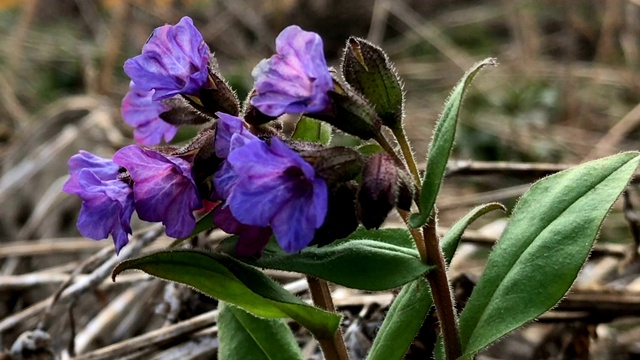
{"type": "Point", "coordinates": [369, 71]}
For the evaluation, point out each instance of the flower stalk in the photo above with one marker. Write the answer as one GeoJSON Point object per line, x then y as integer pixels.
{"type": "Point", "coordinates": [441, 291]}
{"type": "Point", "coordinates": [405, 147]}
{"type": "Point", "coordinates": [428, 244]}
{"type": "Point", "coordinates": [334, 347]}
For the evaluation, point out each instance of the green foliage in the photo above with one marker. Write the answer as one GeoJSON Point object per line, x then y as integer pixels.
{"type": "Point", "coordinates": [411, 306]}
{"type": "Point", "coordinates": [244, 336]}
{"type": "Point", "coordinates": [403, 321]}
{"type": "Point", "coordinates": [312, 130]}
{"type": "Point", "coordinates": [451, 240]}
{"type": "Point", "coordinates": [370, 149]}
{"type": "Point", "coordinates": [394, 236]}
{"type": "Point", "coordinates": [359, 262]}
{"type": "Point", "coordinates": [441, 146]}
{"type": "Point", "coordinates": [229, 280]}
{"type": "Point", "coordinates": [542, 249]}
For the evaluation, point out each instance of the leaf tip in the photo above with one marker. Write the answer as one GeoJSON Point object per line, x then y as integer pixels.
{"type": "Point", "coordinates": [416, 220]}
{"type": "Point", "coordinates": [117, 270]}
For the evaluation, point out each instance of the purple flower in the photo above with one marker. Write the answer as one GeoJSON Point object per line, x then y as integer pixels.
{"type": "Point", "coordinates": [230, 134]}
{"type": "Point", "coordinates": [107, 203]}
{"type": "Point", "coordinates": [173, 61]}
{"type": "Point", "coordinates": [142, 112]}
{"type": "Point", "coordinates": [296, 79]}
{"type": "Point", "coordinates": [271, 185]}
{"type": "Point", "coordinates": [251, 239]}
{"type": "Point", "coordinates": [163, 188]}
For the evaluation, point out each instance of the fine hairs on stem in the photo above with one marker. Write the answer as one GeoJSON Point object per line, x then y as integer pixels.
{"type": "Point", "coordinates": [334, 347]}
{"type": "Point", "coordinates": [428, 244]}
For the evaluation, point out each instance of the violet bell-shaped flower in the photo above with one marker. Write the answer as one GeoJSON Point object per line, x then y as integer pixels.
{"type": "Point", "coordinates": [231, 134]}
{"type": "Point", "coordinates": [163, 188]}
{"type": "Point", "coordinates": [143, 113]}
{"type": "Point", "coordinates": [296, 79]}
{"type": "Point", "coordinates": [173, 61]}
{"type": "Point", "coordinates": [272, 185]}
{"type": "Point", "coordinates": [107, 202]}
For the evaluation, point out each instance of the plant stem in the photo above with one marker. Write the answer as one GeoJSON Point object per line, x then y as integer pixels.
{"type": "Point", "coordinates": [428, 245]}
{"type": "Point", "coordinates": [333, 348]}
{"type": "Point", "coordinates": [405, 147]}
{"type": "Point", "coordinates": [417, 235]}
{"type": "Point", "coordinates": [441, 291]}
{"type": "Point", "coordinates": [384, 143]}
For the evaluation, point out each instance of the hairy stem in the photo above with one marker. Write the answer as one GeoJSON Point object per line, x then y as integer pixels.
{"type": "Point", "coordinates": [405, 147]}
{"type": "Point", "coordinates": [384, 143]}
{"type": "Point", "coordinates": [441, 291]}
{"type": "Point", "coordinates": [333, 348]}
{"type": "Point", "coordinates": [428, 245]}
{"type": "Point", "coordinates": [417, 235]}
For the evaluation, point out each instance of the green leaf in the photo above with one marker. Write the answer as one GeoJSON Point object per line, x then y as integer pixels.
{"type": "Point", "coordinates": [441, 146]}
{"type": "Point", "coordinates": [370, 149]}
{"type": "Point", "coordinates": [229, 280]}
{"type": "Point", "coordinates": [543, 247]}
{"type": "Point", "coordinates": [393, 236]}
{"type": "Point", "coordinates": [403, 321]}
{"type": "Point", "coordinates": [451, 239]}
{"type": "Point", "coordinates": [411, 306]}
{"type": "Point", "coordinates": [360, 264]}
{"type": "Point", "coordinates": [312, 130]}
{"type": "Point", "coordinates": [244, 336]}
{"type": "Point", "coordinates": [205, 223]}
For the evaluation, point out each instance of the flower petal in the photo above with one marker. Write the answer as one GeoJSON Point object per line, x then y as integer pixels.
{"type": "Point", "coordinates": [142, 112]}
{"type": "Point", "coordinates": [163, 189]}
{"type": "Point", "coordinates": [297, 79]}
{"type": "Point", "coordinates": [173, 61]}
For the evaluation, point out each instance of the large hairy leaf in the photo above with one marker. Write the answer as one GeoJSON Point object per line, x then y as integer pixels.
{"type": "Point", "coordinates": [543, 247]}
{"type": "Point", "coordinates": [230, 280]}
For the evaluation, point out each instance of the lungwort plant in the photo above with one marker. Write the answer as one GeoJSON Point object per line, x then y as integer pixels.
{"type": "Point", "coordinates": [295, 202]}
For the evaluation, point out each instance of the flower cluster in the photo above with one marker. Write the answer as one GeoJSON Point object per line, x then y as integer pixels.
{"type": "Point", "coordinates": [136, 179]}
{"type": "Point", "coordinates": [263, 183]}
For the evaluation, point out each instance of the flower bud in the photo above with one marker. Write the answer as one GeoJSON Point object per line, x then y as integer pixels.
{"type": "Point", "coordinates": [351, 112]}
{"type": "Point", "coordinates": [218, 96]}
{"type": "Point", "coordinates": [182, 113]}
{"type": "Point", "coordinates": [378, 190]}
{"type": "Point", "coordinates": [252, 115]}
{"type": "Point", "coordinates": [341, 218]}
{"type": "Point", "coordinates": [335, 164]}
{"type": "Point", "coordinates": [368, 70]}
{"type": "Point", "coordinates": [406, 191]}
{"type": "Point", "coordinates": [205, 162]}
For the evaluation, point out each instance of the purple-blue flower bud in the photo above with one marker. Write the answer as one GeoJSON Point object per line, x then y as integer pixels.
{"type": "Point", "coordinates": [378, 191]}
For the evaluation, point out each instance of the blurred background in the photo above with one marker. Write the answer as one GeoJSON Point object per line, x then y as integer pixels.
{"type": "Point", "coordinates": [567, 90]}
